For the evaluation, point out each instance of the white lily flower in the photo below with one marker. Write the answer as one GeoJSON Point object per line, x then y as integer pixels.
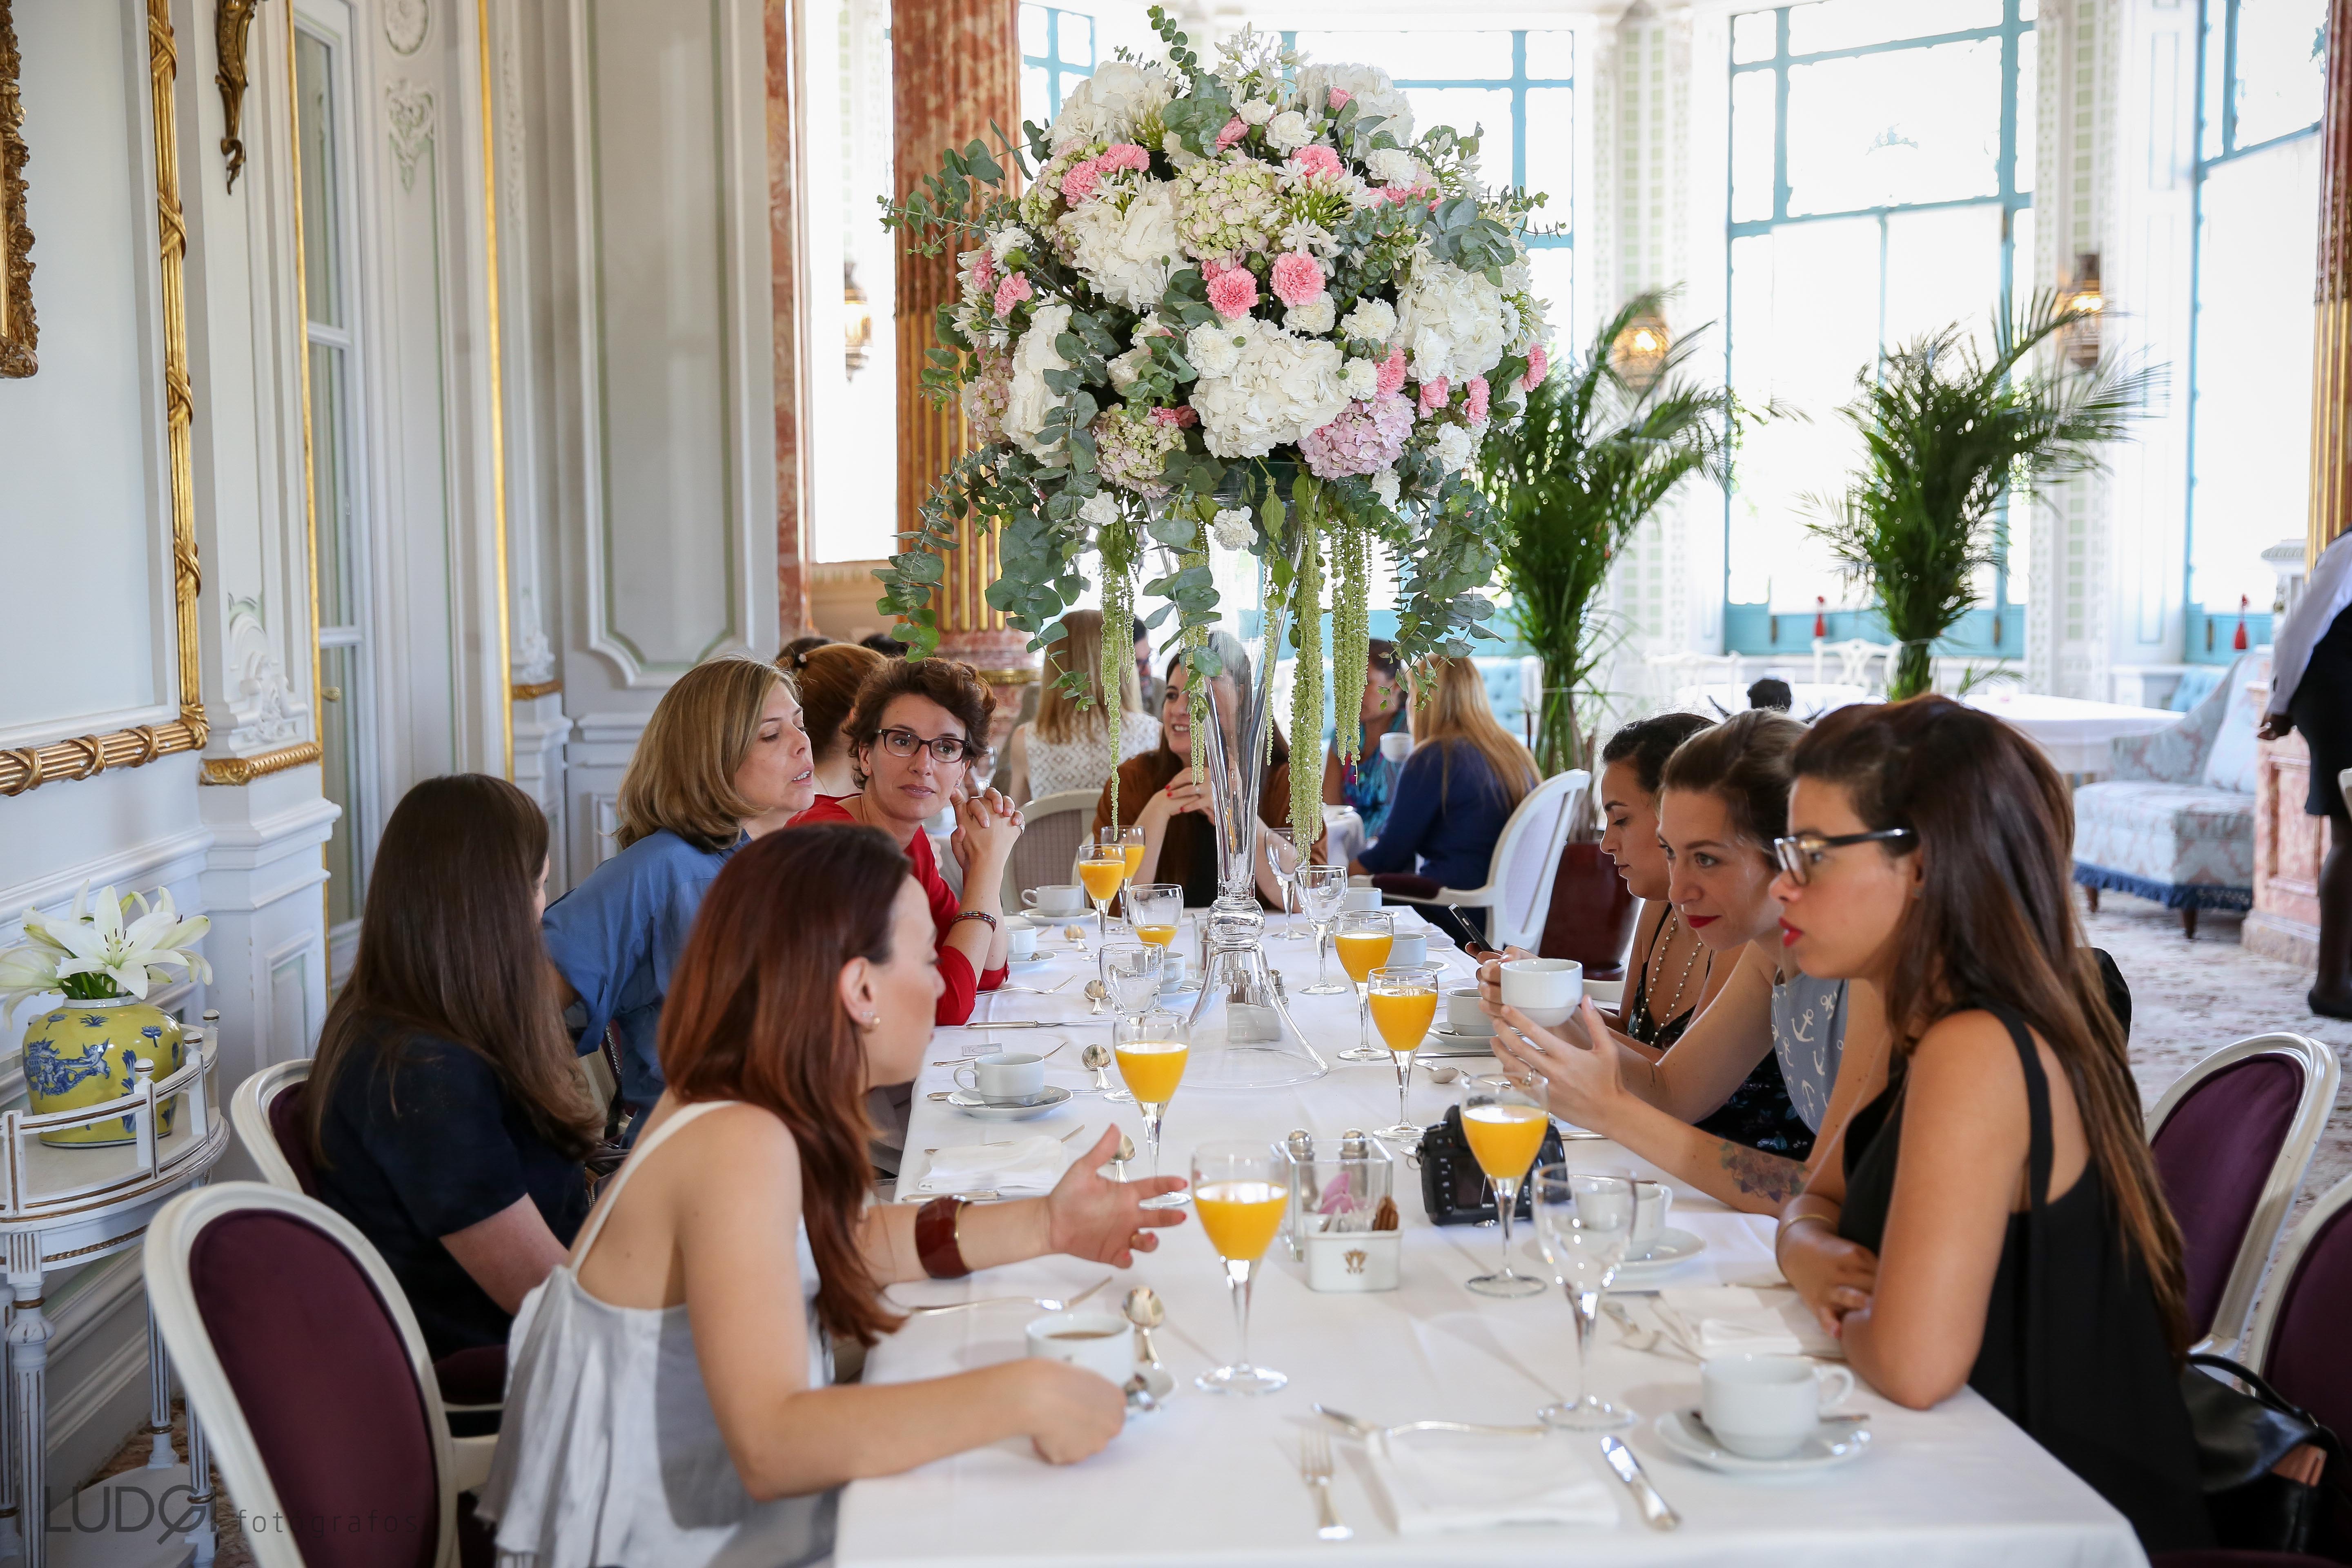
{"type": "Point", "coordinates": [96, 941]}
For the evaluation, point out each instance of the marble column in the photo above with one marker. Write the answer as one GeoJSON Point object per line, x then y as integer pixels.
{"type": "Point", "coordinates": [2331, 380]}
{"type": "Point", "coordinates": [778, 21]}
{"type": "Point", "coordinates": [955, 67]}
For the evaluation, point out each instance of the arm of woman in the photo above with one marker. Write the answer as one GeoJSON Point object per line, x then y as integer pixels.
{"type": "Point", "coordinates": [596, 936]}
{"type": "Point", "coordinates": [1965, 1139]}
{"type": "Point", "coordinates": [1414, 811]}
{"type": "Point", "coordinates": [1012, 778]}
{"type": "Point", "coordinates": [509, 1254]}
{"type": "Point", "coordinates": [1332, 794]}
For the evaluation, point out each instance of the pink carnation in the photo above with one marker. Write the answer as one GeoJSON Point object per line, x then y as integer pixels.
{"type": "Point", "coordinates": [1232, 291]}
{"type": "Point", "coordinates": [1297, 278]}
{"type": "Point", "coordinates": [984, 271]}
{"type": "Point", "coordinates": [1183, 418]}
{"type": "Point", "coordinates": [1392, 374]}
{"type": "Point", "coordinates": [1337, 96]}
{"type": "Point", "coordinates": [1364, 439]}
{"type": "Point", "coordinates": [1316, 159]}
{"type": "Point", "coordinates": [1236, 129]}
{"type": "Point", "coordinates": [1124, 155]}
{"type": "Point", "coordinates": [1012, 291]}
{"type": "Point", "coordinates": [1433, 395]}
{"type": "Point", "coordinates": [1476, 405]}
{"type": "Point", "coordinates": [1538, 366]}
{"type": "Point", "coordinates": [1081, 180]}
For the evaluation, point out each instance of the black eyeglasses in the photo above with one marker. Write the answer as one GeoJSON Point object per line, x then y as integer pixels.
{"type": "Point", "coordinates": [1798, 855]}
{"type": "Point", "coordinates": [944, 748]}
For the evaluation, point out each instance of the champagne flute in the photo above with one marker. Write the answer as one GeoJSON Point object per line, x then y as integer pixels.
{"type": "Point", "coordinates": [1505, 1121]}
{"type": "Point", "coordinates": [1154, 909]}
{"type": "Point", "coordinates": [1403, 1003]}
{"type": "Point", "coordinates": [1240, 1193]}
{"type": "Point", "coordinates": [1322, 894]}
{"type": "Point", "coordinates": [1277, 840]}
{"type": "Point", "coordinates": [1364, 940]}
{"type": "Point", "coordinates": [1102, 868]}
{"type": "Point", "coordinates": [1130, 844]}
{"type": "Point", "coordinates": [1582, 1223]}
{"type": "Point", "coordinates": [1152, 1047]}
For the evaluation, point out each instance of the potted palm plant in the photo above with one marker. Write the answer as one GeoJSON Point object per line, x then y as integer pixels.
{"type": "Point", "coordinates": [1951, 436]}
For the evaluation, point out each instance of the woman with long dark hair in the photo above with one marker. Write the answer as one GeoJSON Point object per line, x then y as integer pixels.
{"type": "Point", "coordinates": [741, 1232]}
{"type": "Point", "coordinates": [448, 1116]}
{"type": "Point", "coordinates": [1996, 1219]}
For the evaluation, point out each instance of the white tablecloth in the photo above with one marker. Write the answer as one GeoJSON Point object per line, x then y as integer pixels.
{"type": "Point", "coordinates": [2073, 733]}
{"type": "Point", "coordinates": [1212, 1479]}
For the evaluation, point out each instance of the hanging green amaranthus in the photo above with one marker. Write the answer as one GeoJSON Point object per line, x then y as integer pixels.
{"type": "Point", "coordinates": [1351, 634]}
{"type": "Point", "coordinates": [1306, 688]}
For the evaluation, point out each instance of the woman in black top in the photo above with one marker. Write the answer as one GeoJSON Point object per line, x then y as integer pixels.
{"type": "Point", "coordinates": [448, 1118]}
{"type": "Point", "coordinates": [1995, 1218]}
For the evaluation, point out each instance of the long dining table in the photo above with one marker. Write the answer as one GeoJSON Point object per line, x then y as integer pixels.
{"type": "Point", "coordinates": [1214, 1479]}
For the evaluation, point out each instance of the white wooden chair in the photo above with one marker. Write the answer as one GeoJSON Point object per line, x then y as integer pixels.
{"type": "Point", "coordinates": [264, 1112]}
{"type": "Point", "coordinates": [2298, 1329]}
{"type": "Point", "coordinates": [1518, 894]}
{"type": "Point", "coordinates": [1855, 657]}
{"type": "Point", "coordinates": [2208, 1134]}
{"type": "Point", "coordinates": [300, 1354]}
{"type": "Point", "coordinates": [1048, 850]}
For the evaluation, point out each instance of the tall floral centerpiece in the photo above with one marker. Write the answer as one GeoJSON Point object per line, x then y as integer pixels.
{"type": "Point", "coordinates": [1247, 308]}
{"type": "Point", "coordinates": [102, 959]}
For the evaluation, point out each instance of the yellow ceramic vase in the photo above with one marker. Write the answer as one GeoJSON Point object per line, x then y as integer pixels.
{"type": "Point", "coordinates": [80, 1054]}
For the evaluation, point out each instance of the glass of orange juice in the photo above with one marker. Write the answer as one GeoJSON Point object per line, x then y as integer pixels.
{"type": "Point", "coordinates": [1152, 1048]}
{"type": "Point", "coordinates": [1403, 1001]}
{"type": "Point", "coordinates": [1102, 868]}
{"type": "Point", "coordinates": [1504, 1121]}
{"type": "Point", "coordinates": [1241, 1192]}
{"type": "Point", "coordinates": [1363, 939]}
{"type": "Point", "coordinates": [1154, 909]}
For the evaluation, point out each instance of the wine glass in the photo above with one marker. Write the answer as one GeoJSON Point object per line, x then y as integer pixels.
{"type": "Point", "coordinates": [1505, 1121]}
{"type": "Point", "coordinates": [1102, 868]}
{"type": "Point", "coordinates": [1403, 999]}
{"type": "Point", "coordinates": [1364, 939]}
{"type": "Point", "coordinates": [1322, 894]}
{"type": "Point", "coordinates": [1277, 841]}
{"type": "Point", "coordinates": [1582, 1223]}
{"type": "Point", "coordinates": [1154, 909]}
{"type": "Point", "coordinates": [1240, 1191]}
{"type": "Point", "coordinates": [1152, 1047]}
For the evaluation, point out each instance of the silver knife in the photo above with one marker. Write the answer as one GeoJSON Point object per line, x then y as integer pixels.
{"type": "Point", "coordinates": [1031, 1024]}
{"type": "Point", "coordinates": [1654, 1512]}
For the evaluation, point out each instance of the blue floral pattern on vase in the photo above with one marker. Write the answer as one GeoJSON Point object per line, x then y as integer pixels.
{"type": "Point", "coordinates": [83, 1054]}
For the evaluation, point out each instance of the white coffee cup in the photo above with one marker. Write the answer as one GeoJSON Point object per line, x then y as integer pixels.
{"type": "Point", "coordinates": [1055, 898]}
{"type": "Point", "coordinates": [1463, 1014]}
{"type": "Point", "coordinates": [1020, 937]}
{"type": "Point", "coordinates": [1650, 1202]}
{"type": "Point", "coordinates": [1396, 746]}
{"type": "Point", "coordinates": [1005, 1075]}
{"type": "Point", "coordinates": [1409, 947]}
{"type": "Point", "coordinates": [1765, 1406]}
{"type": "Point", "coordinates": [1102, 1342]}
{"type": "Point", "coordinates": [1546, 989]}
{"type": "Point", "coordinates": [1361, 900]}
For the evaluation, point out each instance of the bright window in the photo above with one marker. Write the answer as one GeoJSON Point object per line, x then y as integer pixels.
{"type": "Point", "coordinates": [1058, 50]}
{"type": "Point", "coordinates": [1880, 188]}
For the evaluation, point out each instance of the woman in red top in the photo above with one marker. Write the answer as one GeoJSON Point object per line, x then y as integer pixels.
{"type": "Point", "coordinates": [915, 728]}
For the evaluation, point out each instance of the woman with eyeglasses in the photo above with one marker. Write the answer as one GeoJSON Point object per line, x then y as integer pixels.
{"type": "Point", "coordinates": [1996, 1218]}
{"type": "Point", "coordinates": [913, 736]}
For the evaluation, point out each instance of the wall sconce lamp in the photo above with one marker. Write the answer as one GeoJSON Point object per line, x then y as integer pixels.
{"type": "Point", "coordinates": [857, 319]}
{"type": "Point", "coordinates": [1639, 353]}
{"type": "Point", "coordinates": [2089, 302]}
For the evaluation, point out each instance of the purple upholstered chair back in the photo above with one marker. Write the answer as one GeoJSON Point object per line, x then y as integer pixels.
{"type": "Point", "coordinates": [323, 1377]}
{"type": "Point", "coordinates": [2214, 1154]}
{"type": "Point", "coordinates": [290, 1126]}
{"type": "Point", "coordinates": [2307, 1355]}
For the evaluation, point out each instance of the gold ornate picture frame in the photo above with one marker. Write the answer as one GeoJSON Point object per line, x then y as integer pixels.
{"type": "Point", "coordinates": [19, 331]}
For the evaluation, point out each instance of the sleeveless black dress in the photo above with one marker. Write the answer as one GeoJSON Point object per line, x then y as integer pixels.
{"type": "Point", "coordinates": [2073, 1350]}
{"type": "Point", "coordinates": [1757, 1113]}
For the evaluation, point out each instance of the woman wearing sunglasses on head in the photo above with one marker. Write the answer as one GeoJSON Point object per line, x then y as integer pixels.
{"type": "Point", "coordinates": [1995, 1218]}
{"type": "Point", "coordinates": [913, 736]}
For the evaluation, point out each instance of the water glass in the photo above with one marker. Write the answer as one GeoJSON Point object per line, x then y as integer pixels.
{"type": "Point", "coordinates": [1583, 1223]}
{"type": "Point", "coordinates": [1322, 891]}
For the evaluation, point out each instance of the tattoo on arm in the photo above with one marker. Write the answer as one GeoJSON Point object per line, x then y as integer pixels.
{"type": "Point", "coordinates": [1758, 1174]}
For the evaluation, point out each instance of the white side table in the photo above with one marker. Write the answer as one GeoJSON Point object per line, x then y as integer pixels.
{"type": "Point", "coordinates": [77, 1205]}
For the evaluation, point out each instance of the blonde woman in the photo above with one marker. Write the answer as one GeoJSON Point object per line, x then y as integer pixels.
{"type": "Point", "coordinates": [1465, 778]}
{"type": "Point", "coordinates": [1064, 747]}
{"type": "Point", "coordinates": [723, 749]}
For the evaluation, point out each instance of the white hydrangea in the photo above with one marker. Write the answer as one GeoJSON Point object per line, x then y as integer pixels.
{"type": "Point", "coordinates": [1313, 317]}
{"type": "Point", "coordinates": [1108, 105]}
{"type": "Point", "coordinates": [1395, 166]}
{"type": "Point", "coordinates": [1128, 254]}
{"type": "Point", "coordinates": [1362, 380]}
{"type": "Point", "coordinates": [1099, 511]}
{"type": "Point", "coordinates": [1372, 319]}
{"type": "Point", "coordinates": [1255, 111]}
{"type": "Point", "coordinates": [1281, 386]}
{"type": "Point", "coordinates": [1180, 157]}
{"type": "Point", "coordinates": [1008, 238]}
{"type": "Point", "coordinates": [1374, 92]}
{"type": "Point", "coordinates": [1289, 131]}
{"type": "Point", "coordinates": [1215, 347]}
{"type": "Point", "coordinates": [1127, 367]}
{"type": "Point", "coordinates": [1234, 530]}
{"type": "Point", "coordinates": [1453, 446]}
{"type": "Point", "coordinates": [1384, 485]}
{"type": "Point", "coordinates": [1031, 399]}
{"type": "Point", "coordinates": [1450, 321]}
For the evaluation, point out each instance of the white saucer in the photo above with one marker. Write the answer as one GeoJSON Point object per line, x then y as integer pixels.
{"type": "Point", "coordinates": [981, 1110]}
{"type": "Point", "coordinates": [1035, 961]}
{"type": "Point", "coordinates": [1670, 1251]}
{"type": "Point", "coordinates": [1831, 1444]}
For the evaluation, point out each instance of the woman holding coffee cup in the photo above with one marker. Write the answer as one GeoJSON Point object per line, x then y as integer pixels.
{"type": "Point", "coordinates": [742, 1233]}
{"type": "Point", "coordinates": [1996, 1218]}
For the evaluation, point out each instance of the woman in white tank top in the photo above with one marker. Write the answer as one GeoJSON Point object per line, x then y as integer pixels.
{"type": "Point", "coordinates": [669, 1401]}
{"type": "Point", "coordinates": [1064, 747]}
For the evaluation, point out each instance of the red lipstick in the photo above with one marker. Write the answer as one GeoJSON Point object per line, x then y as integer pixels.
{"type": "Point", "coordinates": [1695, 921]}
{"type": "Point", "coordinates": [1789, 934]}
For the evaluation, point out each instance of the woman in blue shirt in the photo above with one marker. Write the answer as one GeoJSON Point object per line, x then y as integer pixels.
{"type": "Point", "coordinates": [1465, 778]}
{"type": "Point", "coordinates": [724, 746]}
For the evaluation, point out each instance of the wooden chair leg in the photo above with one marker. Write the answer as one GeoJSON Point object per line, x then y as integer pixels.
{"type": "Point", "coordinates": [2188, 923]}
{"type": "Point", "coordinates": [2093, 894]}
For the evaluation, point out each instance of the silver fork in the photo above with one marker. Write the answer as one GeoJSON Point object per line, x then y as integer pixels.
{"type": "Point", "coordinates": [1315, 1469]}
{"type": "Point", "coordinates": [1038, 990]}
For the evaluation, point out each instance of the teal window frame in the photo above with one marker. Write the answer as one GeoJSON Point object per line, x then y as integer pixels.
{"type": "Point", "coordinates": [1756, 630]}
{"type": "Point", "coordinates": [1051, 63]}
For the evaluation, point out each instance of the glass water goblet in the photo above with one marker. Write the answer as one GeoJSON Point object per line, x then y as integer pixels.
{"type": "Point", "coordinates": [1101, 868]}
{"type": "Point", "coordinates": [1363, 939]}
{"type": "Point", "coordinates": [1130, 973]}
{"type": "Point", "coordinates": [1582, 1223]}
{"type": "Point", "coordinates": [1154, 909]}
{"type": "Point", "coordinates": [1152, 1047]}
{"type": "Point", "coordinates": [1279, 845]}
{"type": "Point", "coordinates": [1322, 894]}
{"type": "Point", "coordinates": [1504, 1121]}
{"type": "Point", "coordinates": [1241, 1192]}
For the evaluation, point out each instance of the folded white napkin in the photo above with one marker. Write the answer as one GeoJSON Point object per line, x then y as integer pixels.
{"type": "Point", "coordinates": [1723, 1320]}
{"type": "Point", "coordinates": [1030, 1164]}
{"type": "Point", "coordinates": [1438, 1482]}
